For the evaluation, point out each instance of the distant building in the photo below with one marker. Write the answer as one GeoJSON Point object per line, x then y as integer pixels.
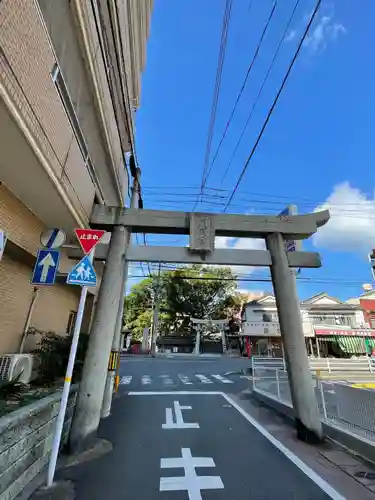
{"type": "Point", "coordinates": [330, 326]}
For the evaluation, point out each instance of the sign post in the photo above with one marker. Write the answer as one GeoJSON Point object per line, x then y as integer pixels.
{"type": "Point", "coordinates": [82, 274]}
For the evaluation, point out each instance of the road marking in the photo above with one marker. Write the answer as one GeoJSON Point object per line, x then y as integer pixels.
{"type": "Point", "coordinates": [222, 379]}
{"type": "Point", "coordinates": [166, 379]}
{"type": "Point", "coordinates": [146, 380]}
{"type": "Point", "coordinates": [190, 481]}
{"type": "Point", "coordinates": [310, 473]}
{"type": "Point", "coordinates": [174, 393]}
{"type": "Point", "coordinates": [248, 377]}
{"type": "Point", "coordinates": [319, 481]}
{"type": "Point", "coordinates": [179, 423]}
{"type": "Point", "coordinates": [126, 380]}
{"type": "Point", "coordinates": [185, 379]}
{"type": "Point", "coordinates": [204, 379]}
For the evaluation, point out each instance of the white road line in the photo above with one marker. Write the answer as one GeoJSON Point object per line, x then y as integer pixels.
{"type": "Point", "coordinates": [185, 379]}
{"type": "Point", "coordinates": [146, 380]}
{"type": "Point", "coordinates": [310, 473]}
{"type": "Point", "coordinates": [166, 379]}
{"type": "Point", "coordinates": [319, 481]}
{"type": "Point", "coordinates": [125, 380]}
{"type": "Point", "coordinates": [248, 377]}
{"type": "Point", "coordinates": [174, 393]}
{"type": "Point", "coordinates": [204, 379]}
{"type": "Point", "coordinates": [222, 379]}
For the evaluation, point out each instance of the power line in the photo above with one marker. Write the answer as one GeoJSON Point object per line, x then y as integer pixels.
{"type": "Point", "coordinates": [163, 190]}
{"type": "Point", "coordinates": [265, 275]}
{"type": "Point", "coordinates": [250, 67]}
{"type": "Point", "coordinates": [262, 280]}
{"type": "Point", "coordinates": [215, 100]}
{"type": "Point", "coordinates": [274, 103]}
{"type": "Point", "coordinates": [260, 90]}
{"type": "Point", "coordinates": [336, 210]}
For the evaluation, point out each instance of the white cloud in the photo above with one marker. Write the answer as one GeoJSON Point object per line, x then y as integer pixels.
{"type": "Point", "coordinates": [291, 35]}
{"type": "Point", "coordinates": [352, 223]}
{"type": "Point", "coordinates": [326, 30]}
{"type": "Point", "coordinates": [240, 244]}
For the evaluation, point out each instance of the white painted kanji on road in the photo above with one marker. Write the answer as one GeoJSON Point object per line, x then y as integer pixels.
{"type": "Point", "coordinates": [190, 482]}
{"type": "Point", "coordinates": [178, 423]}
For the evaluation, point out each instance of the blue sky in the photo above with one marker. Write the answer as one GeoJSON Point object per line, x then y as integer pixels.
{"type": "Point", "coordinates": [318, 148]}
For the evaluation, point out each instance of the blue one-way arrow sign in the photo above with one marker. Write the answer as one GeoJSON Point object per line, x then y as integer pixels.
{"type": "Point", "coordinates": [46, 266]}
{"type": "Point", "coordinates": [82, 274]}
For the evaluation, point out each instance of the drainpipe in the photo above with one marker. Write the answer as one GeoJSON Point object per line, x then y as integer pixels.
{"type": "Point", "coordinates": [28, 319]}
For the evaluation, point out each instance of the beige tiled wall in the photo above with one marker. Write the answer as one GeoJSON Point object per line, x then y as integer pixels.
{"type": "Point", "coordinates": [53, 304]}
{"type": "Point", "coordinates": [26, 62]}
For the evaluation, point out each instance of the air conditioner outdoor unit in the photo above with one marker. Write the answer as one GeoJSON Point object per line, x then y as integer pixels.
{"type": "Point", "coordinates": [16, 367]}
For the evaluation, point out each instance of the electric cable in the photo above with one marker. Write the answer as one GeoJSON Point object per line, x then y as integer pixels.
{"type": "Point", "coordinates": [269, 114]}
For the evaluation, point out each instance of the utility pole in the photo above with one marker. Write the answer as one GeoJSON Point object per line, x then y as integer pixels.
{"type": "Point", "coordinates": [114, 361]}
{"type": "Point", "coordinates": [91, 388]}
{"type": "Point", "coordinates": [308, 424]}
{"type": "Point", "coordinates": [155, 315]}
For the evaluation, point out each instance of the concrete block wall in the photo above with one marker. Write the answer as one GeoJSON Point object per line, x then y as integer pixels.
{"type": "Point", "coordinates": [26, 437]}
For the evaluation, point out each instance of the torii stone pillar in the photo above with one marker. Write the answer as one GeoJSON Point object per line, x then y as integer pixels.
{"type": "Point", "coordinates": [308, 424]}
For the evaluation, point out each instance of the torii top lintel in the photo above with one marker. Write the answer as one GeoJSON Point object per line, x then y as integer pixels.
{"type": "Point", "coordinates": [296, 227]}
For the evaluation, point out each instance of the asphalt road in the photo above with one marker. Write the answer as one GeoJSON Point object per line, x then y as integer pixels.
{"type": "Point", "coordinates": [182, 373]}
{"type": "Point", "coordinates": [179, 441]}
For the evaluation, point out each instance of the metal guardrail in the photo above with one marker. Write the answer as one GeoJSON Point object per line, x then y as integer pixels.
{"type": "Point", "coordinates": [348, 408]}
{"type": "Point", "coordinates": [330, 365]}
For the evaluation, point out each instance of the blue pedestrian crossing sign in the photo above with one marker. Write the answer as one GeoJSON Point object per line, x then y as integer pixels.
{"type": "Point", "coordinates": [82, 273]}
{"type": "Point", "coordinates": [46, 266]}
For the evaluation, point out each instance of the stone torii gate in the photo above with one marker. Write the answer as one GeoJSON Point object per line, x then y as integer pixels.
{"type": "Point", "coordinates": [202, 228]}
{"type": "Point", "coordinates": [209, 322]}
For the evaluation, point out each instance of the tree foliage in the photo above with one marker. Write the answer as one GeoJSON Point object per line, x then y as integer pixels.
{"type": "Point", "coordinates": [184, 293]}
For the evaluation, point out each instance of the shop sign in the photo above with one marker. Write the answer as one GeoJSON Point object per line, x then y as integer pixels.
{"type": "Point", "coordinates": [346, 333]}
{"type": "Point", "coordinates": [259, 329]}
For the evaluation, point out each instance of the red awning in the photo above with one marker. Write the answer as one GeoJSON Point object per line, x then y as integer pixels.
{"type": "Point", "coordinates": [346, 333]}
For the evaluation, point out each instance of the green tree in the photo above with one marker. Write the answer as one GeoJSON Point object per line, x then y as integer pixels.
{"type": "Point", "coordinates": [192, 291]}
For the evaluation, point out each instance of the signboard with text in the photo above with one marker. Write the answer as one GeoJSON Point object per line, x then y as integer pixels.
{"type": "Point", "coordinates": [89, 238]}
{"type": "Point", "coordinates": [345, 333]}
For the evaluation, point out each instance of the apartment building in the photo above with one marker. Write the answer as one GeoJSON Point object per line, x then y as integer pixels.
{"type": "Point", "coordinates": [330, 326]}
{"type": "Point", "coordinates": [70, 73]}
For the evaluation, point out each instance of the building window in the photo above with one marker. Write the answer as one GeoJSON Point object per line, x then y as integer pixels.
{"type": "Point", "coordinates": [333, 319]}
{"type": "Point", "coordinates": [62, 89]}
{"type": "Point", "coordinates": [71, 323]}
{"type": "Point", "coordinates": [267, 317]}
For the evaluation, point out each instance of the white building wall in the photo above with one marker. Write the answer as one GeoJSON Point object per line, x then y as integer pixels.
{"type": "Point", "coordinates": [255, 325]}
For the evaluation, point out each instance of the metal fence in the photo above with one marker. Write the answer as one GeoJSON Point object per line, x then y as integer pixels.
{"type": "Point", "coordinates": [330, 365]}
{"type": "Point", "coordinates": [349, 408]}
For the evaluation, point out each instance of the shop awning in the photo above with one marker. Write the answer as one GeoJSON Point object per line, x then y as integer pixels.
{"type": "Point", "coordinates": [350, 345]}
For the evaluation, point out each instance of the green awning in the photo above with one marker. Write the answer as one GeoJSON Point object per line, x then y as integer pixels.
{"type": "Point", "coordinates": [350, 345]}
